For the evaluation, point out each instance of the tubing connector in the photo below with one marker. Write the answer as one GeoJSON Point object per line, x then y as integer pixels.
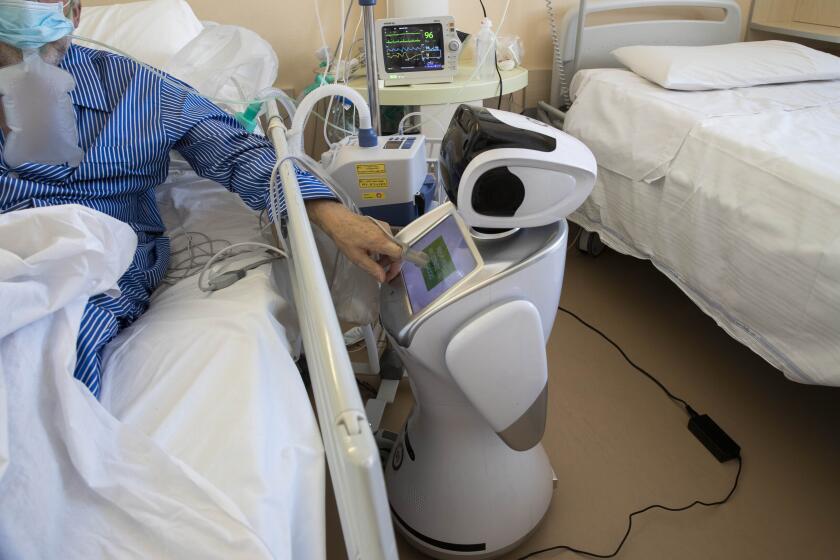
{"type": "Point", "coordinates": [368, 138]}
{"type": "Point", "coordinates": [248, 118]}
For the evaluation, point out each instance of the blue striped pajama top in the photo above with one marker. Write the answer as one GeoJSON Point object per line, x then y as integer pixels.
{"type": "Point", "coordinates": [128, 120]}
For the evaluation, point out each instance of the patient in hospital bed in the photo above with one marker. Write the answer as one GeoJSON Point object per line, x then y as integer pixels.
{"type": "Point", "coordinates": [201, 441]}
{"type": "Point", "coordinates": [128, 120]}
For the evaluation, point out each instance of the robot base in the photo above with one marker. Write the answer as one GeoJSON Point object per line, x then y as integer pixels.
{"type": "Point", "coordinates": [436, 552]}
{"type": "Point", "coordinates": [456, 489]}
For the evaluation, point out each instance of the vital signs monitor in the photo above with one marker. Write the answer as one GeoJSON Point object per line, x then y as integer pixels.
{"type": "Point", "coordinates": [417, 50]}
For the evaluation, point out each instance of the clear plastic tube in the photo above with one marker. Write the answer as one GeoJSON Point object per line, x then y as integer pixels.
{"type": "Point", "coordinates": [308, 104]}
{"type": "Point", "coordinates": [401, 126]}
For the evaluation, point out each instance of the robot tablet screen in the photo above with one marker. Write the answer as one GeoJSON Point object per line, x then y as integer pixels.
{"type": "Point", "coordinates": [451, 259]}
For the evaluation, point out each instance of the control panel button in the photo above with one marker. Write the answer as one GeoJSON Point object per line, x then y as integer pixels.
{"type": "Point", "coordinates": [454, 45]}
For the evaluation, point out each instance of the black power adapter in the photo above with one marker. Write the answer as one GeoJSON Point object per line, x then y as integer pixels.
{"type": "Point", "coordinates": [704, 429]}
{"type": "Point", "coordinates": [713, 437]}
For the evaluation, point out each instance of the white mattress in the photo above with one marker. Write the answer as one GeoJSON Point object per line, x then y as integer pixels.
{"type": "Point", "coordinates": [735, 195]}
{"type": "Point", "coordinates": [210, 378]}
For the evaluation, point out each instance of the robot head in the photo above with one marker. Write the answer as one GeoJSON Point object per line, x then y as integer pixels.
{"type": "Point", "coordinates": [504, 170]}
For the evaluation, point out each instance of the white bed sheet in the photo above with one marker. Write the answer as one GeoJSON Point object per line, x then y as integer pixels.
{"type": "Point", "coordinates": [735, 196]}
{"type": "Point", "coordinates": [74, 481]}
{"type": "Point", "coordinates": [210, 378]}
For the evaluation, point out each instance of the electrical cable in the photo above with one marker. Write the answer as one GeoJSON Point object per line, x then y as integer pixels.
{"type": "Point", "coordinates": [367, 387]}
{"type": "Point", "coordinates": [181, 268]}
{"type": "Point", "coordinates": [638, 368]}
{"type": "Point", "coordinates": [228, 278]}
{"type": "Point", "coordinates": [333, 126]}
{"type": "Point", "coordinates": [574, 241]}
{"type": "Point", "coordinates": [339, 52]}
{"type": "Point", "coordinates": [614, 553]}
{"type": "Point", "coordinates": [693, 504]}
{"type": "Point", "coordinates": [496, 61]}
{"type": "Point", "coordinates": [401, 126]}
{"type": "Point", "coordinates": [323, 36]}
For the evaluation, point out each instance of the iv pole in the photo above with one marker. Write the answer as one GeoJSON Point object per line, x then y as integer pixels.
{"type": "Point", "coordinates": [370, 60]}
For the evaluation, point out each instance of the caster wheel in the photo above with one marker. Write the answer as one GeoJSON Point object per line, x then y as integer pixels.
{"type": "Point", "coordinates": [591, 243]}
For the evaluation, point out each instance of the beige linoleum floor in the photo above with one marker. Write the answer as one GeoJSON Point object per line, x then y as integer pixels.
{"type": "Point", "coordinates": [618, 444]}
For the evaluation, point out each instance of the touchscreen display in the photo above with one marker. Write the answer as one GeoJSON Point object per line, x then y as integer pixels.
{"type": "Point", "coordinates": [450, 260]}
{"type": "Point", "coordinates": [413, 48]}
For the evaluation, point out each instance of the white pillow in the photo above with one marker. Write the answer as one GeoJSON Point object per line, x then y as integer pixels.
{"type": "Point", "coordinates": [729, 66]}
{"type": "Point", "coordinates": [151, 31]}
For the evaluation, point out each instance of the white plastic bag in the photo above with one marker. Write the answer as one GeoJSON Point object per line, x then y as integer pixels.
{"type": "Point", "coordinates": [226, 61]}
{"type": "Point", "coordinates": [35, 97]}
{"type": "Point", "coordinates": [355, 293]}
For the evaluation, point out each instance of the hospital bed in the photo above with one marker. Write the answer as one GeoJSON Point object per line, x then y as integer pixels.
{"type": "Point", "coordinates": [211, 443]}
{"type": "Point", "coordinates": [733, 194]}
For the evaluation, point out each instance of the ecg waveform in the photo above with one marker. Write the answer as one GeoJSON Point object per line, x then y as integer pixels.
{"type": "Point", "coordinates": [407, 54]}
{"type": "Point", "coordinates": [416, 48]}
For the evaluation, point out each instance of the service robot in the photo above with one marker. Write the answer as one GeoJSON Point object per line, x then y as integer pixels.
{"type": "Point", "coordinates": [468, 476]}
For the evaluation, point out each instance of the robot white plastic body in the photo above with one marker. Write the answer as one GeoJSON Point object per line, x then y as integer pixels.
{"type": "Point", "coordinates": [456, 486]}
{"type": "Point", "coordinates": [468, 476]}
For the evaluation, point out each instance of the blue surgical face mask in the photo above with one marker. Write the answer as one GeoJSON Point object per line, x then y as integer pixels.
{"type": "Point", "coordinates": [26, 24]}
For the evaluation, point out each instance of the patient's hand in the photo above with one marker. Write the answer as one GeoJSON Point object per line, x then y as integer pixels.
{"type": "Point", "coordinates": [357, 237]}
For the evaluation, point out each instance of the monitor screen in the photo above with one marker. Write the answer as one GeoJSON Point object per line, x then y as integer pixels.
{"type": "Point", "coordinates": [413, 48]}
{"type": "Point", "coordinates": [450, 260]}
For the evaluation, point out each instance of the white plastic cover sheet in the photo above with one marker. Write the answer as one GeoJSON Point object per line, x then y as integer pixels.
{"type": "Point", "coordinates": [226, 61]}
{"type": "Point", "coordinates": [210, 378]}
{"type": "Point", "coordinates": [735, 195]}
{"type": "Point", "coordinates": [74, 481]}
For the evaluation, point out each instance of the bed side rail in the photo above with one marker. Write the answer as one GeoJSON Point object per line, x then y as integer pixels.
{"type": "Point", "coordinates": [352, 453]}
{"type": "Point", "coordinates": [598, 41]}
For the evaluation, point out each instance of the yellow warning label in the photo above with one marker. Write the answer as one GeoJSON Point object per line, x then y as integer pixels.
{"type": "Point", "coordinates": [370, 169]}
{"type": "Point", "coordinates": [374, 196]}
{"type": "Point", "coordinates": [376, 183]}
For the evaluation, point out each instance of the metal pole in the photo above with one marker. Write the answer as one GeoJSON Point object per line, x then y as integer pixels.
{"type": "Point", "coordinates": [579, 35]}
{"type": "Point", "coordinates": [370, 59]}
{"type": "Point", "coordinates": [749, 20]}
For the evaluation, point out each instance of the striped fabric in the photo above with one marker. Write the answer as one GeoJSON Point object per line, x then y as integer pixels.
{"type": "Point", "coordinates": [129, 120]}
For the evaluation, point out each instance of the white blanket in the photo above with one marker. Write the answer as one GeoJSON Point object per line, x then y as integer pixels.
{"type": "Point", "coordinates": [75, 482]}
{"type": "Point", "coordinates": [735, 195]}
{"type": "Point", "coordinates": [210, 378]}
{"type": "Point", "coordinates": [636, 128]}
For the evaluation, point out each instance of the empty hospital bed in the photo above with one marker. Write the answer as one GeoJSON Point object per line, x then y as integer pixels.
{"type": "Point", "coordinates": [733, 194]}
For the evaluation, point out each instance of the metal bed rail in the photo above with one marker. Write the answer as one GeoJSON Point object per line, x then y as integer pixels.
{"type": "Point", "coordinates": [352, 454]}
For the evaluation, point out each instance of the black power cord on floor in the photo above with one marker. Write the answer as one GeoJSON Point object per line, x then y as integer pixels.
{"type": "Point", "coordinates": [636, 366]}
{"type": "Point", "coordinates": [496, 61]}
{"type": "Point", "coordinates": [703, 427]}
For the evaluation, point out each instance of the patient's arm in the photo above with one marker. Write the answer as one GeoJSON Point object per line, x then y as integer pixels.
{"type": "Point", "coordinates": [358, 238]}
{"type": "Point", "coordinates": [219, 149]}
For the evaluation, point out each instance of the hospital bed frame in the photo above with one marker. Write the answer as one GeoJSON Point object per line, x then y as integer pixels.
{"type": "Point", "coordinates": [352, 454]}
{"type": "Point", "coordinates": [581, 44]}
{"type": "Point", "coordinates": [584, 44]}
